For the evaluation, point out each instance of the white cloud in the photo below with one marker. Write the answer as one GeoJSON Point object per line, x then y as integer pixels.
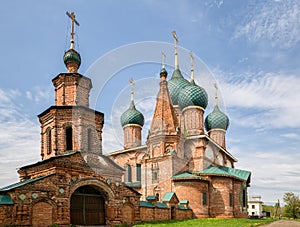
{"type": "Point", "coordinates": [271, 98]}
{"type": "Point", "coordinates": [272, 172]}
{"type": "Point", "coordinates": [276, 23]}
{"type": "Point", "coordinates": [19, 144]}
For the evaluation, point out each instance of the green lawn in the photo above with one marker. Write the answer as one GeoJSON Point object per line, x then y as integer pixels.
{"type": "Point", "coordinates": [216, 222]}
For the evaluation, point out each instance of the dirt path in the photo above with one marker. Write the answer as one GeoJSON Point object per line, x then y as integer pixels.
{"type": "Point", "coordinates": [283, 223]}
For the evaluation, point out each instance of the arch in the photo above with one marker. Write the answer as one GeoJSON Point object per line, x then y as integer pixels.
{"type": "Point", "coordinates": [87, 206]}
{"type": "Point", "coordinates": [98, 184]}
{"type": "Point", "coordinates": [43, 212]}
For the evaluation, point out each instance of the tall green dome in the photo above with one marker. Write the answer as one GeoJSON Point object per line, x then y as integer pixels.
{"type": "Point", "coordinates": [176, 84]}
{"type": "Point", "coordinates": [216, 120]}
{"type": "Point", "coordinates": [132, 116]}
{"type": "Point", "coordinates": [192, 95]}
{"type": "Point", "coordinates": [72, 56]}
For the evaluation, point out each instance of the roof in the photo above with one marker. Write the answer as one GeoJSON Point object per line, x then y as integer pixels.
{"type": "Point", "coordinates": [184, 201]}
{"type": "Point", "coordinates": [127, 150]}
{"type": "Point", "coordinates": [186, 176]}
{"type": "Point", "coordinates": [226, 171]}
{"type": "Point", "coordinates": [161, 205]}
{"type": "Point", "coordinates": [146, 204]}
{"type": "Point", "coordinates": [24, 182]}
{"type": "Point", "coordinates": [181, 207]}
{"type": "Point", "coordinates": [151, 197]}
{"type": "Point", "coordinates": [136, 184]}
{"type": "Point", "coordinates": [6, 200]}
{"type": "Point", "coordinates": [49, 159]}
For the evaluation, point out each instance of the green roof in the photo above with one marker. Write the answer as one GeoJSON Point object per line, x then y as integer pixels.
{"type": "Point", "coordinates": [151, 197]}
{"type": "Point", "coordinates": [186, 175]}
{"type": "Point", "coordinates": [181, 207]}
{"type": "Point", "coordinates": [146, 204]}
{"type": "Point", "coordinates": [72, 56]}
{"type": "Point", "coordinates": [136, 184]}
{"type": "Point", "coordinates": [6, 200]}
{"type": "Point", "coordinates": [216, 120]}
{"type": "Point", "coordinates": [161, 205]}
{"type": "Point", "coordinates": [168, 196]}
{"type": "Point", "coordinates": [227, 171]}
{"type": "Point", "coordinates": [132, 116]}
{"type": "Point", "coordinates": [24, 182]}
{"type": "Point", "coordinates": [192, 95]}
{"type": "Point", "coordinates": [184, 201]}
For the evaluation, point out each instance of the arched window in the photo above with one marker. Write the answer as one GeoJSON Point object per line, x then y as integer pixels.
{"type": "Point", "coordinates": [69, 138]}
{"type": "Point", "coordinates": [48, 141]}
{"type": "Point", "coordinates": [89, 139]}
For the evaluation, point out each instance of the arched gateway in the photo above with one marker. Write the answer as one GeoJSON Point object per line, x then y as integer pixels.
{"type": "Point", "coordinates": [87, 206]}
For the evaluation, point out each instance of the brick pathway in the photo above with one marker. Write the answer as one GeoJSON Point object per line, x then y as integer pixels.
{"type": "Point", "coordinates": [283, 223]}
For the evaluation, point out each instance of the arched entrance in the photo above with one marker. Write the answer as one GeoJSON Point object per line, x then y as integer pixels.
{"type": "Point", "coordinates": [87, 206]}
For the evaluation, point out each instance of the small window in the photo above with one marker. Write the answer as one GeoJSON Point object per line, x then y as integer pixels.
{"type": "Point", "coordinates": [204, 199]}
{"type": "Point", "coordinates": [69, 138]}
{"type": "Point", "coordinates": [154, 176]}
{"type": "Point", "coordinates": [230, 199]}
{"type": "Point", "coordinates": [48, 141]}
{"type": "Point", "coordinates": [89, 139]}
{"type": "Point", "coordinates": [244, 198]}
{"type": "Point", "coordinates": [128, 173]}
{"type": "Point", "coordinates": [138, 172]}
{"type": "Point", "coordinates": [253, 206]}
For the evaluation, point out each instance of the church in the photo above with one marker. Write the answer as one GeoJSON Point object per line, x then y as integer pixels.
{"type": "Point", "coordinates": [182, 171]}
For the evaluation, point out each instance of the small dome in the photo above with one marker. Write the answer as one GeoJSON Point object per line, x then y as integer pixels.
{"type": "Point", "coordinates": [175, 85]}
{"type": "Point", "coordinates": [216, 120]}
{"type": "Point", "coordinates": [72, 56]}
{"type": "Point", "coordinates": [132, 116]}
{"type": "Point", "coordinates": [163, 71]}
{"type": "Point", "coordinates": [192, 95]}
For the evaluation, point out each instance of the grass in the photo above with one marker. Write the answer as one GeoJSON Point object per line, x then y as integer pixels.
{"type": "Point", "coordinates": [216, 222]}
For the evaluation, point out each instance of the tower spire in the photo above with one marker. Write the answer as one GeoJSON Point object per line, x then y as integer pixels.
{"type": "Point", "coordinates": [216, 94]}
{"type": "Point", "coordinates": [163, 59]}
{"type": "Point", "coordinates": [192, 66]}
{"type": "Point", "coordinates": [175, 49]}
{"type": "Point", "coordinates": [74, 21]}
{"type": "Point", "coordinates": [131, 81]}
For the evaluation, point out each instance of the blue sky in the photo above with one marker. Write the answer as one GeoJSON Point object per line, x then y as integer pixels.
{"type": "Point", "coordinates": [250, 48]}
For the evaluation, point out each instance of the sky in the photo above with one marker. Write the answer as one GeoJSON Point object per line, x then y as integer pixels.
{"type": "Point", "coordinates": [251, 49]}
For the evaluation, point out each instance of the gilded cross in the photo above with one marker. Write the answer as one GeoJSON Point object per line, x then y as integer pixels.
{"type": "Point", "coordinates": [74, 21]}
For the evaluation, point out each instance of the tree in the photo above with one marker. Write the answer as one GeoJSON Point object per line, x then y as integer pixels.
{"type": "Point", "coordinates": [292, 207]}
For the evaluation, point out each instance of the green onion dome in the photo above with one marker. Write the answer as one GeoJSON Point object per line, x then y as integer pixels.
{"type": "Point", "coordinates": [132, 116]}
{"type": "Point", "coordinates": [175, 85]}
{"type": "Point", "coordinates": [192, 95]}
{"type": "Point", "coordinates": [216, 120]}
{"type": "Point", "coordinates": [72, 56]}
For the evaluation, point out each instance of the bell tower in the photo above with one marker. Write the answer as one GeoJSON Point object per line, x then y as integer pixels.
{"type": "Point", "coordinates": [70, 125]}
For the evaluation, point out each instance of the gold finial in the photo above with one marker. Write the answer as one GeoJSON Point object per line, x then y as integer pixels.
{"type": "Point", "coordinates": [74, 21]}
{"type": "Point", "coordinates": [175, 49]}
{"type": "Point", "coordinates": [131, 81]}
{"type": "Point", "coordinates": [192, 65]}
{"type": "Point", "coordinates": [216, 94]}
{"type": "Point", "coordinates": [163, 59]}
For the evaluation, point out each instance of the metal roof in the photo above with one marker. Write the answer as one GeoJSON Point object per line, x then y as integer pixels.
{"type": "Point", "coordinates": [168, 196]}
{"type": "Point", "coordinates": [24, 182]}
{"type": "Point", "coordinates": [227, 171]}
{"type": "Point", "coordinates": [6, 200]}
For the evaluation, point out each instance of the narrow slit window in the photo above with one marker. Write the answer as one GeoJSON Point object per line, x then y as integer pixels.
{"type": "Point", "coordinates": [89, 135]}
{"type": "Point", "coordinates": [48, 141]}
{"type": "Point", "coordinates": [69, 138]}
{"type": "Point", "coordinates": [204, 201]}
{"type": "Point", "coordinates": [138, 172]}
